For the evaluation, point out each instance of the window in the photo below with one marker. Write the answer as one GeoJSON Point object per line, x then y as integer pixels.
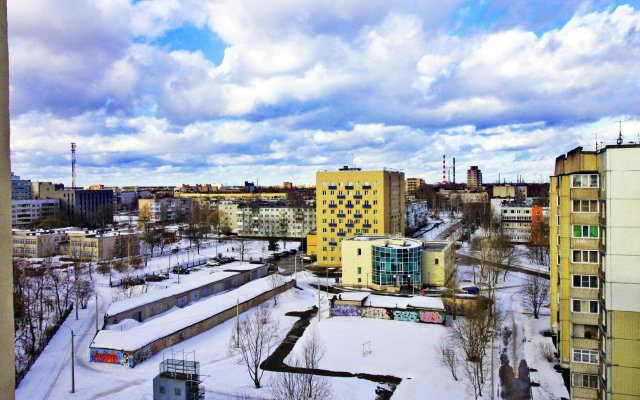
{"type": "Point", "coordinates": [177, 391]}
{"type": "Point", "coordinates": [585, 356]}
{"type": "Point", "coordinates": [585, 206]}
{"type": "Point", "coordinates": [585, 256]}
{"type": "Point", "coordinates": [161, 389]}
{"type": "Point", "coordinates": [584, 181]}
{"type": "Point", "coordinates": [585, 281]}
{"type": "Point", "coordinates": [359, 270]}
{"type": "Point", "coordinates": [584, 380]}
{"type": "Point", "coordinates": [436, 261]}
{"type": "Point", "coordinates": [359, 253]}
{"type": "Point", "coordinates": [585, 306]}
{"type": "Point", "coordinates": [585, 231]}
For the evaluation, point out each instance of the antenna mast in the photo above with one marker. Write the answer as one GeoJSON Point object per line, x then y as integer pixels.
{"type": "Point", "coordinates": [619, 141]}
{"type": "Point", "coordinates": [73, 165]}
{"type": "Point", "coordinates": [444, 169]}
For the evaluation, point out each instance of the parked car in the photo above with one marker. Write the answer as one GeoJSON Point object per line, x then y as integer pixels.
{"type": "Point", "coordinates": [293, 251]}
{"type": "Point", "coordinates": [156, 278]}
{"type": "Point", "coordinates": [284, 253]}
{"type": "Point", "coordinates": [179, 269]}
{"type": "Point", "coordinates": [213, 263]}
{"type": "Point", "coordinates": [309, 258]}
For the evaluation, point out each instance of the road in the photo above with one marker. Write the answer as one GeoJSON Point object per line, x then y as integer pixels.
{"type": "Point", "coordinates": [471, 260]}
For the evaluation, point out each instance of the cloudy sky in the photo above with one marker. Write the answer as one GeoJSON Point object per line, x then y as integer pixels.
{"type": "Point", "coordinates": [195, 91]}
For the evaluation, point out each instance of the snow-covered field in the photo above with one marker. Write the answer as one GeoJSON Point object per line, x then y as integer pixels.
{"type": "Point", "coordinates": [402, 349]}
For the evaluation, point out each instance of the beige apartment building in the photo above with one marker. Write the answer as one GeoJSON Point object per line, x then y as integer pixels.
{"type": "Point", "coordinates": [38, 244]}
{"type": "Point", "coordinates": [353, 202]}
{"type": "Point", "coordinates": [103, 245]}
{"type": "Point", "coordinates": [595, 279]}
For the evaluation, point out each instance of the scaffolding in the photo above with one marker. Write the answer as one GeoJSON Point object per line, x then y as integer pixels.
{"type": "Point", "coordinates": [185, 370]}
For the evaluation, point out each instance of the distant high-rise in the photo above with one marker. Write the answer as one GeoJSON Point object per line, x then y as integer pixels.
{"type": "Point", "coordinates": [351, 202]}
{"type": "Point", "coordinates": [474, 178]}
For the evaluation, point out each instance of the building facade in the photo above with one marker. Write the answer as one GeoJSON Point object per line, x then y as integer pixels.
{"type": "Point", "coordinates": [41, 243]}
{"type": "Point", "coordinates": [595, 281]}
{"type": "Point", "coordinates": [169, 209]}
{"type": "Point", "coordinates": [387, 263]}
{"type": "Point", "coordinates": [20, 188]}
{"type": "Point", "coordinates": [474, 178]}
{"type": "Point", "coordinates": [413, 184]}
{"type": "Point", "coordinates": [416, 214]}
{"type": "Point", "coordinates": [274, 220]}
{"type": "Point", "coordinates": [26, 212]}
{"type": "Point", "coordinates": [102, 245]}
{"type": "Point", "coordinates": [350, 202]}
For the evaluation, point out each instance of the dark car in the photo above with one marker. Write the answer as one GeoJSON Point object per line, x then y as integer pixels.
{"type": "Point", "coordinates": [178, 269]}
{"type": "Point", "coordinates": [283, 253]}
{"type": "Point", "coordinates": [156, 278]}
{"type": "Point", "coordinates": [293, 251]}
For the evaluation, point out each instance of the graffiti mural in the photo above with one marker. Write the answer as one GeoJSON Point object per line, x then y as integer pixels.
{"type": "Point", "coordinates": [432, 317]}
{"type": "Point", "coordinates": [374, 312]}
{"type": "Point", "coordinates": [345, 311]}
{"type": "Point", "coordinates": [111, 357]}
{"type": "Point", "coordinates": [411, 316]}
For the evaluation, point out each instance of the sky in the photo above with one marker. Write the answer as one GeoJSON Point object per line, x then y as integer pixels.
{"type": "Point", "coordinates": [166, 92]}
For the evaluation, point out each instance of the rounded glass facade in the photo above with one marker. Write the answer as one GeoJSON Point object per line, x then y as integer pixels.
{"type": "Point", "coordinates": [396, 266]}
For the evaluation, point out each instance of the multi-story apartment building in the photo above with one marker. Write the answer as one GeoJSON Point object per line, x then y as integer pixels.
{"type": "Point", "coordinates": [169, 209]}
{"type": "Point", "coordinates": [26, 212]}
{"type": "Point", "coordinates": [474, 178]}
{"type": "Point", "coordinates": [20, 188]}
{"type": "Point", "coordinates": [416, 213]}
{"type": "Point", "coordinates": [274, 220]}
{"type": "Point", "coordinates": [351, 202]}
{"type": "Point", "coordinates": [412, 184]}
{"type": "Point", "coordinates": [595, 280]}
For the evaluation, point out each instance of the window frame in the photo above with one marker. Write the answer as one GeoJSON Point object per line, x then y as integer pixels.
{"type": "Point", "coordinates": [583, 354]}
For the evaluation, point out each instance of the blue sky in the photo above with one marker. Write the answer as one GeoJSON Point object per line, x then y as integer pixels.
{"type": "Point", "coordinates": [166, 92]}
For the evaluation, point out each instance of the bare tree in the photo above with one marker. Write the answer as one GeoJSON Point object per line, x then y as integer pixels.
{"type": "Point", "coordinates": [448, 357]}
{"type": "Point", "coordinates": [255, 336]}
{"type": "Point", "coordinates": [451, 283]}
{"type": "Point", "coordinates": [535, 293]}
{"type": "Point", "coordinates": [243, 247]}
{"type": "Point", "coordinates": [275, 281]}
{"type": "Point", "coordinates": [292, 385]}
{"type": "Point", "coordinates": [538, 254]}
{"type": "Point", "coordinates": [474, 372]}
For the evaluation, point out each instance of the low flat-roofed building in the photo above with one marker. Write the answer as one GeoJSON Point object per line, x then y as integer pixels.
{"type": "Point", "coordinates": [38, 244]}
{"type": "Point", "coordinates": [100, 245]}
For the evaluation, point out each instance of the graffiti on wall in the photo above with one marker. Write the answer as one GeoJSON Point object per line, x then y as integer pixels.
{"type": "Point", "coordinates": [111, 357]}
{"type": "Point", "coordinates": [423, 316]}
{"type": "Point", "coordinates": [432, 317]}
{"type": "Point", "coordinates": [374, 312]}
{"type": "Point", "coordinates": [345, 311]}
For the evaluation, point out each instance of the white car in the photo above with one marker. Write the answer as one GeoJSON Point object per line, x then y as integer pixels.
{"type": "Point", "coordinates": [212, 263]}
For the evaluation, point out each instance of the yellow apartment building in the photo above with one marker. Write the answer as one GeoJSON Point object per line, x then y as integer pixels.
{"type": "Point", "coordinates": [595, 281]}
{"type": "Point", "coordinates": [353, 202]}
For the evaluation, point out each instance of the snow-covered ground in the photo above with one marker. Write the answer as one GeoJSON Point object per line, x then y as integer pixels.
{"type": "Point", "coordinates": [402, 349]}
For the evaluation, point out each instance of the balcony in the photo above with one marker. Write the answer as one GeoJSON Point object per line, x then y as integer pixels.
{"type": "Point", "coordinates": [357, 215]}
{"type": "Point", "coordinates": [333, 243]}
{"type": "Point", "coordinates": [349, 225]}
{"type": "Point", "coordinates": [332, 224]}
{"type": "Point", "coordinates": [585, 218]}
{"type": "Point", "coordinates": [340, 215]}
{"type": "Point", "coordinates": [357, 196]}
{"type": "Point", "coordinates": [341, 196]}
{"type": "Point", "coordinates": [366, 205]}
{"type": "Point", "coordinates": [333, 206]}
{"type": "Point", "coordinates": [341, 234]}
{"type": "Point", "coordinates": [349, 187]}
{"type": "Point", "coordinates": [366, 187]}
{"type": "Point", "coordinates": [332, 187]}
{"type": "Point", "coordinates": [366, 225]}
{"type": "Point", "coordinates": [349, 205]}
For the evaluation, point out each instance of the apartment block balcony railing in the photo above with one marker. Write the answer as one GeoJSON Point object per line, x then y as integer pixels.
{"type": "Point", "coordinates": [341, 196]}
{"type": "Point", "coordinates": [349, 187]}
{"type": "Point", "coordinates": [349, 205]}
{"type": "Point", "coordinates": [349, 225]}
{"type": "Point", "coordinates": [333, 243]}
{"type": "Point", "coordinates": [357, 215]}
{"type": "Point", "coordinates": [332, 224]}
{"type": "Point", "coordinates": [332, 187]}
{"type": "Point", "coordinates": [340, 233]}
{"type": "Point", "coordinates": [333, 206]}
{"type": "Point", "coordinates": [366, 206]}
{"type": "Point", "coordinates": [357, 196]}
{"type": "Point", "coordinates": [366, 225]}
{"type": "Point", "coordinates": [366, 187]}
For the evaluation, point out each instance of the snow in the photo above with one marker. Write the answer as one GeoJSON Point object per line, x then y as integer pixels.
{"type": "Point", "coordinates": [403, 349]}
{"type": "Point", "coordinates": [353, 296]}
{"type": "Point", "coordinates": [187, 283]}
{"type": "Point", "coordinates": [404, 302]}
{"type": "Point", "coordinates": [145, 333]}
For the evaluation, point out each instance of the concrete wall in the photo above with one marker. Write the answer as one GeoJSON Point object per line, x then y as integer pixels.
{"type": "Point", "coordinates": [7, 352]}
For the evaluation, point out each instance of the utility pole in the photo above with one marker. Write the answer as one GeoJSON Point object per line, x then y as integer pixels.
{"type": "Point", "coordinates": [238, 322]}
{"type": "Point", "coordinates": [75, 268]}
{"type": "Point", "coordinates": [327, 281]}
{"type": "Point", "coordinates": [73, 372]}
{"type": "Point", "coordinates": [96, 313]}
{"type": "Point", "coordinates": [318, 299]}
